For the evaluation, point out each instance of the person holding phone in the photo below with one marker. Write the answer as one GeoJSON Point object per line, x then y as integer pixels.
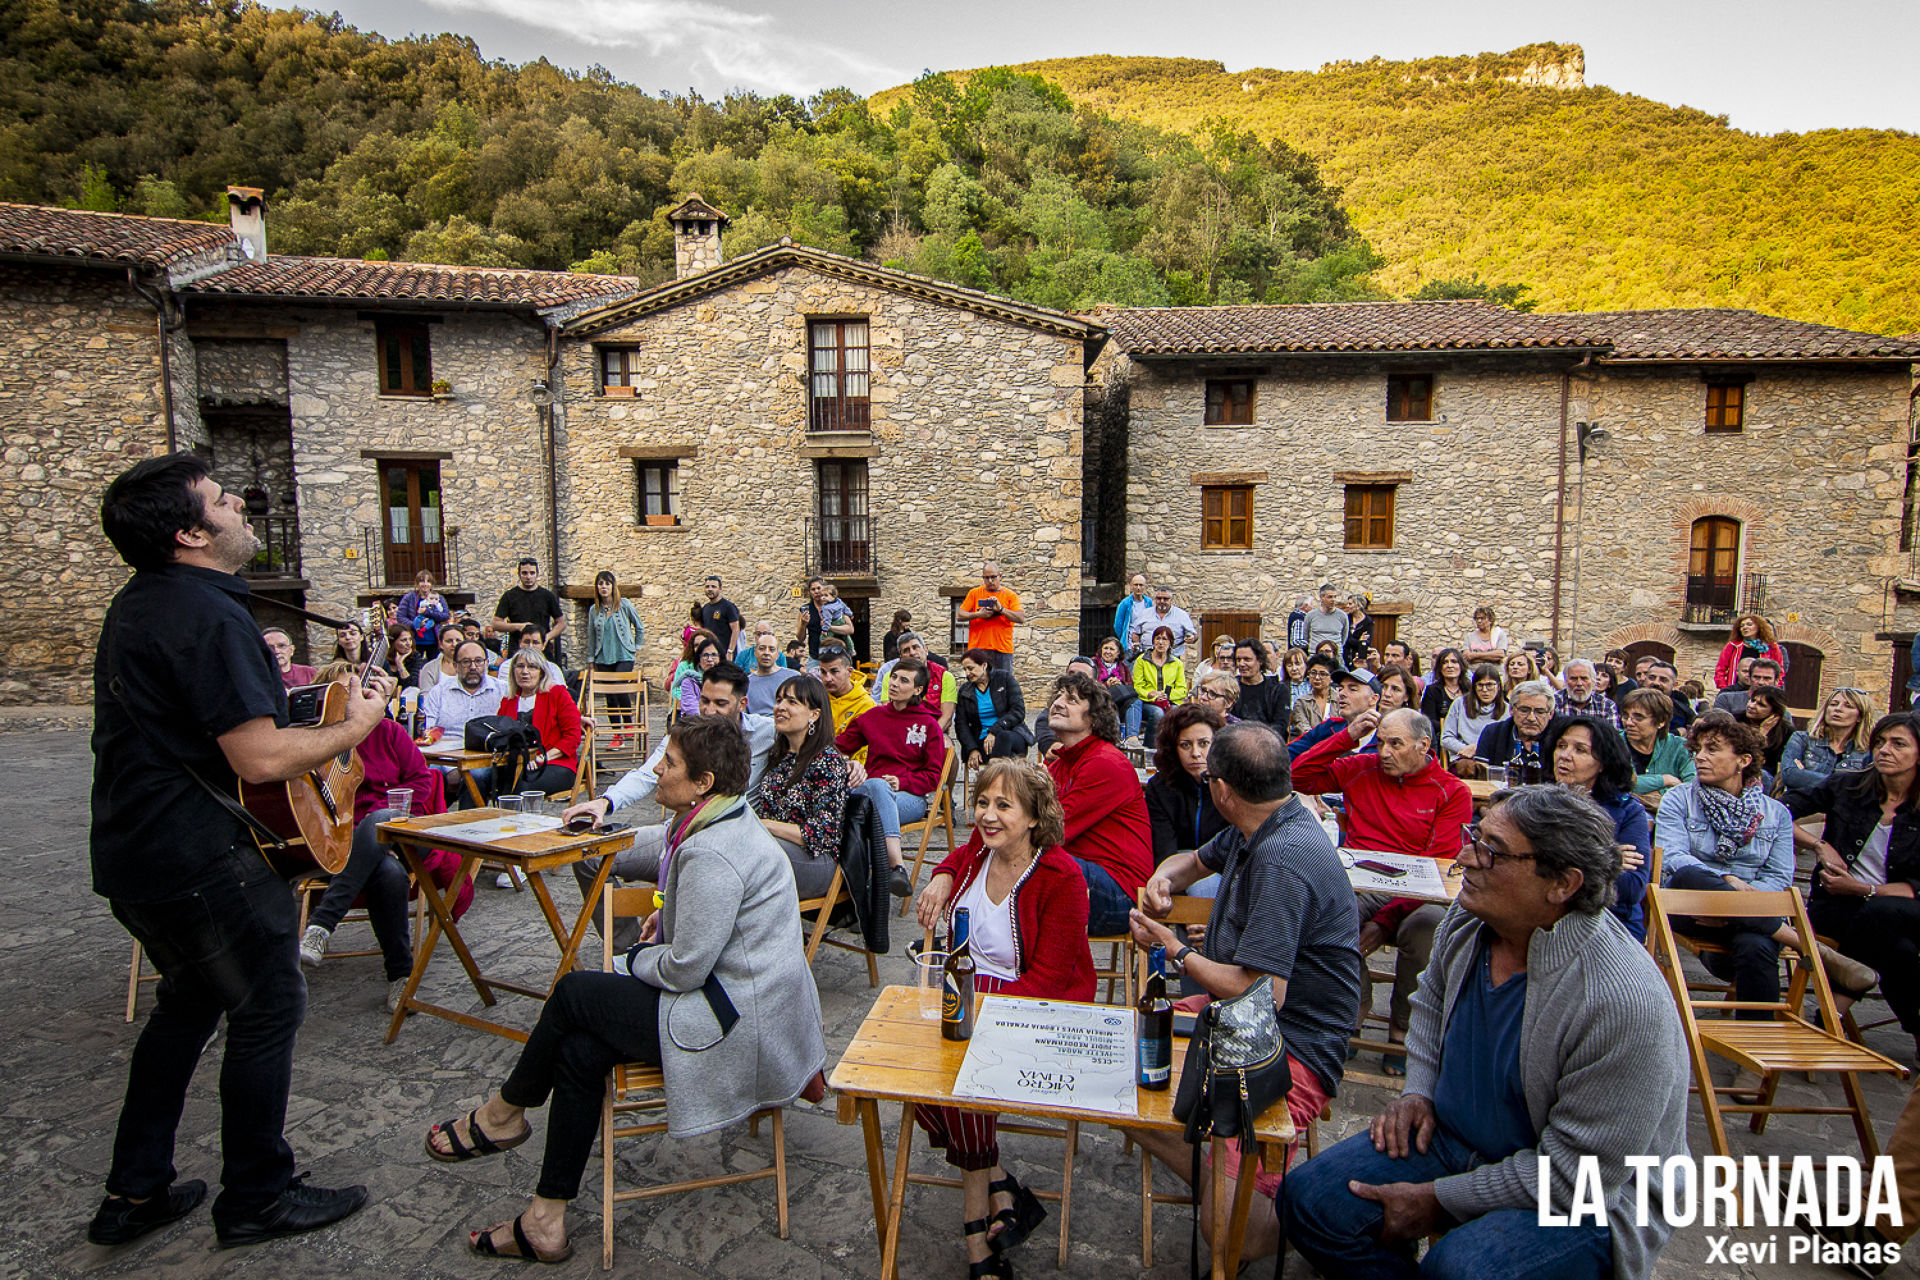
{"type": "Point", "coordinates": [990, 612]}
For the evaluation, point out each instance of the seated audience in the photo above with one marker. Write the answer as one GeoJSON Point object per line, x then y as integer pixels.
{"type": "Point", "coordinates": [1107, 831]}
{"type": "Point", "coordinates": [441, 666]}
{"type": "Point", "coordinates": [1283, 914]}
{"type": "Point", "coordinates": [1358, 693]}
{"type": "Point", "coordinates": [1659, 756]}
{"type": "Point", "coordinates": [1520, 668]}
{"type": "Point", "coordinates": [280, 644]}
{"type": "Point", "coordinates": [1293, 669]}
{"type": "Point", "coordinates": [1514, 743]}
{"type": "Point", "coordinates": [1160, 678]}
{"type": "Point", "coordinates": [1180, 808]}
{"type": "Point", "coordinates": [1260, 696]}
{"type": "Point", "coordinates": [1447, 686]}
{"type": "Point", "coordinates": [850, 697]}
{"type": "Point", "coordinates": [1868, 864]}
{"type": "Point", "coordinates": [1318, 704]}
{"type": "Point", "coordinates": [728, 919]}
{"type": "Point", "coordinates": [1026, 906]}
{"type": "Point", "coordinates": [991, 721]}
{"type": "Point", "coordinates": [449, 704]}
{"type": "Point", "coordinates": [1660, 674]}
{"type": "Point", "coordinates": [1398, 688]}
{"type": "Point", "coordinates": [767, 675]}
{"type": "Point", "coordinates": [704, 655]}
{"type": "Point", "coordinates": [1766, 711]}
{"type": "Point", "coordinates": [904, 754]}
{"type": "Point", "coordinates": [1606, 683]}
{"type": "Point", "coordinates": [1115, 675]}
{"type": "Point", "coordinates": [536, 699]}
{"type": "Point", "coordinates": [1578, 697]}
{"type": "Point", "coordinates": [1835, 742]}
{"type": "Point", "coordinates": [1762, 673]}
{"type": "Point", "coordinates": [1590, 758]}
{"type": "Point", "coordinates": [1540, 1030]}
{"type": "Point", "coordinates": [1044, 745]}
{"type": "Point", "coordinates": [803, 794]}
{"type": "Point", "coordinates": [1221, 659]}
{"type": "Point", "coordinates": [1751, 638]}
{"type": "Point", "coordinates": [1398, 653]}
{"type": "Point", "coordinates": [403, 662]}
{"type": "Point", "coordinates": [350, 644]}
{"type": "Point", "coordinates": [1219, 691]}
{"type": "Point", "coordinates": [1482, 705]}
{"type": "Point", "coordinates": [1399, 800]}
{"type": "Point", "coordinates": [942, 693]}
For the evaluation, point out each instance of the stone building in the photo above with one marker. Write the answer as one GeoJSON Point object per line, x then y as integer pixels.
{"type": "Point", "coordinates": [1433, 454]}
{"type": "Point", "coordinates": [795, 412]}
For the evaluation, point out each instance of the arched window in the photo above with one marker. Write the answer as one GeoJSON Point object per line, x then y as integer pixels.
{"type": "Point", "coordinates": [1713, 570]}
{"type": "Point", "coordinates": [1647, 649]}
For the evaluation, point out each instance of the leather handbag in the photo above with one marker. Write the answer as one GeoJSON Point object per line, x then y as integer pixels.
{"type": "Point", "coordinates": [1236, 1066]}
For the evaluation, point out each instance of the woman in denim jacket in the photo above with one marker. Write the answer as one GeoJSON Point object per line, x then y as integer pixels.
{"type": "Point", "coordinates": [1836, 742]}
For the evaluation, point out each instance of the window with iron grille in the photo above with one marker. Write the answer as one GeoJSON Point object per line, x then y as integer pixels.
{"type": "Point", "coordinates": [1369, 516]}
{"type": "Point", "coordinates": [845, 531]}
{"type": "Point", "coordinates": [658, 490]}
{"type": "Point", "coordinates": [839, 375]}
{"type": "Point", "coordinates": [1226, 517]}
{"type": "Point", "coordinates": [406, 359]}
{"type": "Point", "coordinates": [1229, 402]}
{"type": "Point", "coordinates": [1410, 397]}
{"type": "Point", "coordinates": [1713, 570]}
{"type": "Point", "coordinates": [1726, 407]}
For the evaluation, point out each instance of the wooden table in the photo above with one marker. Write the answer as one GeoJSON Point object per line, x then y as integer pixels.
{"type": "Point", "coordinates": [529, 854]}
{"type": "Point", "coordinates": [1482, 790]}
{"type": "Point", "coordinates": [463, 763]}
{"type": "Point", "coordinates": [899, 1056]}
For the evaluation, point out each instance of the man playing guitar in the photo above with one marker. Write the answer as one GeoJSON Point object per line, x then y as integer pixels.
{"type": "Point", "coordinates": [187, 699]}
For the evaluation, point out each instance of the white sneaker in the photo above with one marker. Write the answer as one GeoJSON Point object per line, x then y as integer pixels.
{"type": "Point", "coordinates": [503, 881]}
{"type": "Point", "coordinates": [313, 946]}
{"type": "Point", "coordinates": [394, 991]}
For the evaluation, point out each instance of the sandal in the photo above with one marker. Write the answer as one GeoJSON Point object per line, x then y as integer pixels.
{"type": "Point", "coordinates": [1393, 1064]}
{"type": "Point", "coordinates": [482, 1144]}
{"type": "Point", "coordinates": [481, 1242]}
{"type": "Point", "coordinates": [993, 1265]}
{"type": "Point", "coordinates": [1017, 1223]}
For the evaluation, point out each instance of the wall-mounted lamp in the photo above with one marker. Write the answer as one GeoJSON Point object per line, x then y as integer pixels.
{"type": "Point", "coordinates": [540, 393]}
{"type": "Point", "coordinates": [1589, 432]}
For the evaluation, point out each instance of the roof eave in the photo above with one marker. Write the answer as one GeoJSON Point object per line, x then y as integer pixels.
{"type": "Point", "coordinates": [1736, 359]}
{"type": "Point", "coordinates": [1282, 353]}
{"type": "Point", "coordinates": [364, 302]}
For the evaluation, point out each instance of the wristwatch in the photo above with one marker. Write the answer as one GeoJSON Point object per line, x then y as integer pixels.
{"type": "Point", "coordinates": [1180, 958]}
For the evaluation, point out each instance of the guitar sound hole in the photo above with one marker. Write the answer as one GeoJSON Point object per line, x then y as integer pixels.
{"type": "Point", "coordinates": [344, 760]}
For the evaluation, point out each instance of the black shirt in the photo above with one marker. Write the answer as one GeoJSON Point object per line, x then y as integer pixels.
{"type": "Point", "coordinates": [1269, 702]}
{"type": "Point", "coordinates": [191, 666]}
{"type": "Point", "coordinates": [719, 618]}
{"type": "Point", "coordinates": [538, 607]}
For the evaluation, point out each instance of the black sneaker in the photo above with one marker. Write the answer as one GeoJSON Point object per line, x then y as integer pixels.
{"type": "Point", "coordinates": [120, 1220]}
{"type": "Point", "coordinates": [299, 1208]}
{"type": "Point", "coordinates": [898, 884]}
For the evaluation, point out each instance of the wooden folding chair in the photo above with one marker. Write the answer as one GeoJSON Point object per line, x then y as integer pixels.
{"type": "Point", "coordinates": [1785, 1042]}
{"type": "Point", "coordinates": [309, 886]}
{"type": "Point", "coordinates": [939, 813]}
{"type": "Point", "coordinates": [1069, 1135]}
{"type": "Point", "coordinates": [628, 1079]}
{"type": "Point", "coordinates": [620, 704]}
{"type": "Point", "coordinates": [837, 893]}
{"type": "Point", "coordinates": [135, 977]}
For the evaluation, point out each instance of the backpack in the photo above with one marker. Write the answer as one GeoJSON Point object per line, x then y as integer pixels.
{"type": "Point", "coordinates": [506, 736]}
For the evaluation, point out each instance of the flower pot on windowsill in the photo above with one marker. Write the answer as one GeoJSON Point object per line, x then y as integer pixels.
{"type": "Point", "coordinates": [655, 522]}
{"type": "Point", "coordinates": [617, 393]}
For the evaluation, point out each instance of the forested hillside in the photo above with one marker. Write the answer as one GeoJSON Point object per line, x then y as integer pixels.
{"type": "Point", "coordinates": [423, 150]}
{"type": "Point", "coordinates": [1597, 199]}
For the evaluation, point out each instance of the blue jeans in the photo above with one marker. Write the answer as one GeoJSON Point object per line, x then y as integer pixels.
{"type": "Point", "coordinates": [894, 807]}
{"type": "Point", "coordinates": [1339, 1233]}
{"type": "Point", "coordinates": [227, 946]}
{"type": "Point", "coordinates": [1107, 903]}
{"type": "Point", "coordinates": [1143, 720]}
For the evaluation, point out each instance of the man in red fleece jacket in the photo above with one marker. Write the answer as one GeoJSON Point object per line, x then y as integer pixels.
{"type": "Point", "coordinates": [1108, 832]}
{"type": "Point", "coordinates": [1398, 801]}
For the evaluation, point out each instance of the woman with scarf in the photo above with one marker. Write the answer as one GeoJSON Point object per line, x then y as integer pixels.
{"type": "Point", "coordinates": [1751, 637]}
{"type": "Point", "coordinates": [1721, 832]}
{"type": "Point", "coordinates": [725, 915]}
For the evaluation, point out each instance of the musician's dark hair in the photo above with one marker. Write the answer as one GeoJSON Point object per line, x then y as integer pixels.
{"type": "Point", "coordinates": [148, 503]}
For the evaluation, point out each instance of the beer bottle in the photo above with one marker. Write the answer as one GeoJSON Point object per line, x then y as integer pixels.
{"type": "Point", "coordinates": [1153, 1022]}
{"type": "Point", "coordinates": [956, 983]}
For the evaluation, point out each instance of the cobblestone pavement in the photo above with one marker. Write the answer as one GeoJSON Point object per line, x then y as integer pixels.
{"type": "Point", "coordinates": [359, 1110]}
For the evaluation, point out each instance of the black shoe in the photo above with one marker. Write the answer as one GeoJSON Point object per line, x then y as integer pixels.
{"type": "Point", "coordinates": [299, 1208]}
{"type": "Point", "coordinates": [898, 883]}
{"type": "Point", "coordinates": [120, 1220]}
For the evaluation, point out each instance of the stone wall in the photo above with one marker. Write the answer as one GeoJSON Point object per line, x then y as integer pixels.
{"type": "Point", "coordinates": [1817, 476]}
{"type": "Point", "coordinates": [241, 371]}
{"type": "Point", "coordinates": [80, 401]}
{"type": "Point", "coordinates": [975, 452]}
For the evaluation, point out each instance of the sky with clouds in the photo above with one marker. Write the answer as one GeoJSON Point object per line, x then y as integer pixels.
{"type": "Point", "coordinates": [1769, 65]}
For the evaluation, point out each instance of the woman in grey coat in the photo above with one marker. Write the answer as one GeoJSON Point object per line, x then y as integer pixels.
{"type": "Point", "coordinates": [717, 993]}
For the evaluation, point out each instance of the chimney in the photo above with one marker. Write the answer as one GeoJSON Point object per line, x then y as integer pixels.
{"type": "Point", "coordinates": [696, 236]}
{"type": "Point", "coordinates": [247, 207]}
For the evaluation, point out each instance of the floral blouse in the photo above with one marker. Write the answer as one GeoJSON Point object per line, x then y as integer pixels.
{"type": "Point", "coordinates": [813, 802]}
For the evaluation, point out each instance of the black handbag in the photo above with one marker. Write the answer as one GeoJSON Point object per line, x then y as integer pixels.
{"type": "Point", "coordinates": [506, 736]}
{"type": "Point", "coordinates": [1236, 1066]}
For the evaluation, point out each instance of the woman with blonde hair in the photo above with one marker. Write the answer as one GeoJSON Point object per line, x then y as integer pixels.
{"type": "Point", "coordinates": [1519, 668]}
{"type": "Point", "coordinates": [534, 697]}
{"type": "Point", "coordinates": [1835, 741]}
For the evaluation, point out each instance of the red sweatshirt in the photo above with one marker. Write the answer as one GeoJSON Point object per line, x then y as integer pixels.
{"type": "Point", "coordinates": [1107, 820]}
{"type": "Point", "coordinates": [1049, 921]}
{"type": "Point", "coordinates": [1421, 813]}
{"type": "Point", "coordinates": [905, 745]}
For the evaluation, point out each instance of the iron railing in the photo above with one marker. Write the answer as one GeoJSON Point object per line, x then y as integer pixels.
{"type": "Point", "coordinates": [390, 565]}
{"type": "Point", "coordinates": [1717, 599]}
{"type": "Point", "coordinates": [840, 546]}
{"type": "Point", "coordinates": [279, 554]}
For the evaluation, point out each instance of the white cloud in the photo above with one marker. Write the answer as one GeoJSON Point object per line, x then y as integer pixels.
{"type": "Point", "coordinates": [715, 42]}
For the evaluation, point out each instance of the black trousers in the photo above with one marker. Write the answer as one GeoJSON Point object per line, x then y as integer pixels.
{"type": "Point", "coordinates": [372, 870]}
{"type": "Point", "coordinates": [1753, 960]}
{"type": "Point", "coordinates": [590, 1023]}
{"type": "Point", "coordinates": [1882, 933]}
{"type": "Point", "coordinates": [226, 945]}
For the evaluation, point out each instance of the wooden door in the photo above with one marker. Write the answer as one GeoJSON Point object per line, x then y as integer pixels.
{"type": "Point", "coordinates": [846, 546]}
{"type": "Point", "coordinates": [1803, 676]}
{"type": "Point", "coordinates": [410, 493]}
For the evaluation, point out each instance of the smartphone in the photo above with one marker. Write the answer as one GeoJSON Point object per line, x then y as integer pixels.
{"type": "Point", "coordinates": [579, 826]}
{"type": "Point", "coordinates": [1381, 868]}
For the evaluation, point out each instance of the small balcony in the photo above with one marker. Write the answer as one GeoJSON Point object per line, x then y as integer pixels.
{"type": "Point", "coordinates": [279, 554]}
{"type": "Point", "coordinates": [394, 565]}
{"type": "Point", "coordinates": [1714, 601]}
{"type": "Point", "coordinates": [840, 546]}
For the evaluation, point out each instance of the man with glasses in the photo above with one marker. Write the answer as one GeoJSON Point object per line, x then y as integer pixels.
{"type": "Point", "coordinates": [280, 645]}
{"type": "Point", "coordinates": [451, 703]}
{"type": "Point", "coordinates": [1541, 1030]}
{"type": "Point", "coordinates": [1165, 613]}
{"type": "Point", "coordinates": [1513, 742]}
{"type": "Point", "coordinates": [990, 612]}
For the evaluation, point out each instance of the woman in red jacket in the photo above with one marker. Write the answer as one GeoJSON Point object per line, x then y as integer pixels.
{"type": "Point", "coordinates": [1026, 903]}
{"type": "Point", "coordinates": [905, 753]}
{"type": "Point", "coordinates": [1751, 637]}
{"type": "Point", "coordinates": [533, 696]}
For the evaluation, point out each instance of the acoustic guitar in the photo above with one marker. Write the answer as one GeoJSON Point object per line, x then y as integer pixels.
{"type": "Point", "coordinates": [316, 808]}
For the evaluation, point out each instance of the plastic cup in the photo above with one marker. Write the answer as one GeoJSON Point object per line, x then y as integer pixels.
{"type": "Point", "coordinates": [511, 809]}
{"type": "Point", "coordinates": [530, 801]}
{"type": "Point", "coordinates": [1497, 774]}
{"type": "Point", "coordinates": [929, 970]}
{"type": "Point", "coordinates": [400, 801]}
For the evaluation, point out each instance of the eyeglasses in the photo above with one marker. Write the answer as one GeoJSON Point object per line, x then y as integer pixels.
{"type": "Point", "coordinates": [469, 662]}
{"type": "Point", "coordinates": [1481, 849]}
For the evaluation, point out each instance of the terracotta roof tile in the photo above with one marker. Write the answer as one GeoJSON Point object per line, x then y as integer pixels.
{"type": "Point", "coordinates": [42, 231]}
{"type": "Point", "coordinates": [1723, 333]}
{"type": "Point", "coordinates": [1340, 326]}
{"type": "Point", "coordinates": [418, 282]}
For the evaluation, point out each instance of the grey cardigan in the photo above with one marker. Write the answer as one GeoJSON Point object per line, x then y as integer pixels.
{"type": "Point", "coordinates": [1602, 1066]}
{"type": "Point", "coordinates": [732, 911]}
